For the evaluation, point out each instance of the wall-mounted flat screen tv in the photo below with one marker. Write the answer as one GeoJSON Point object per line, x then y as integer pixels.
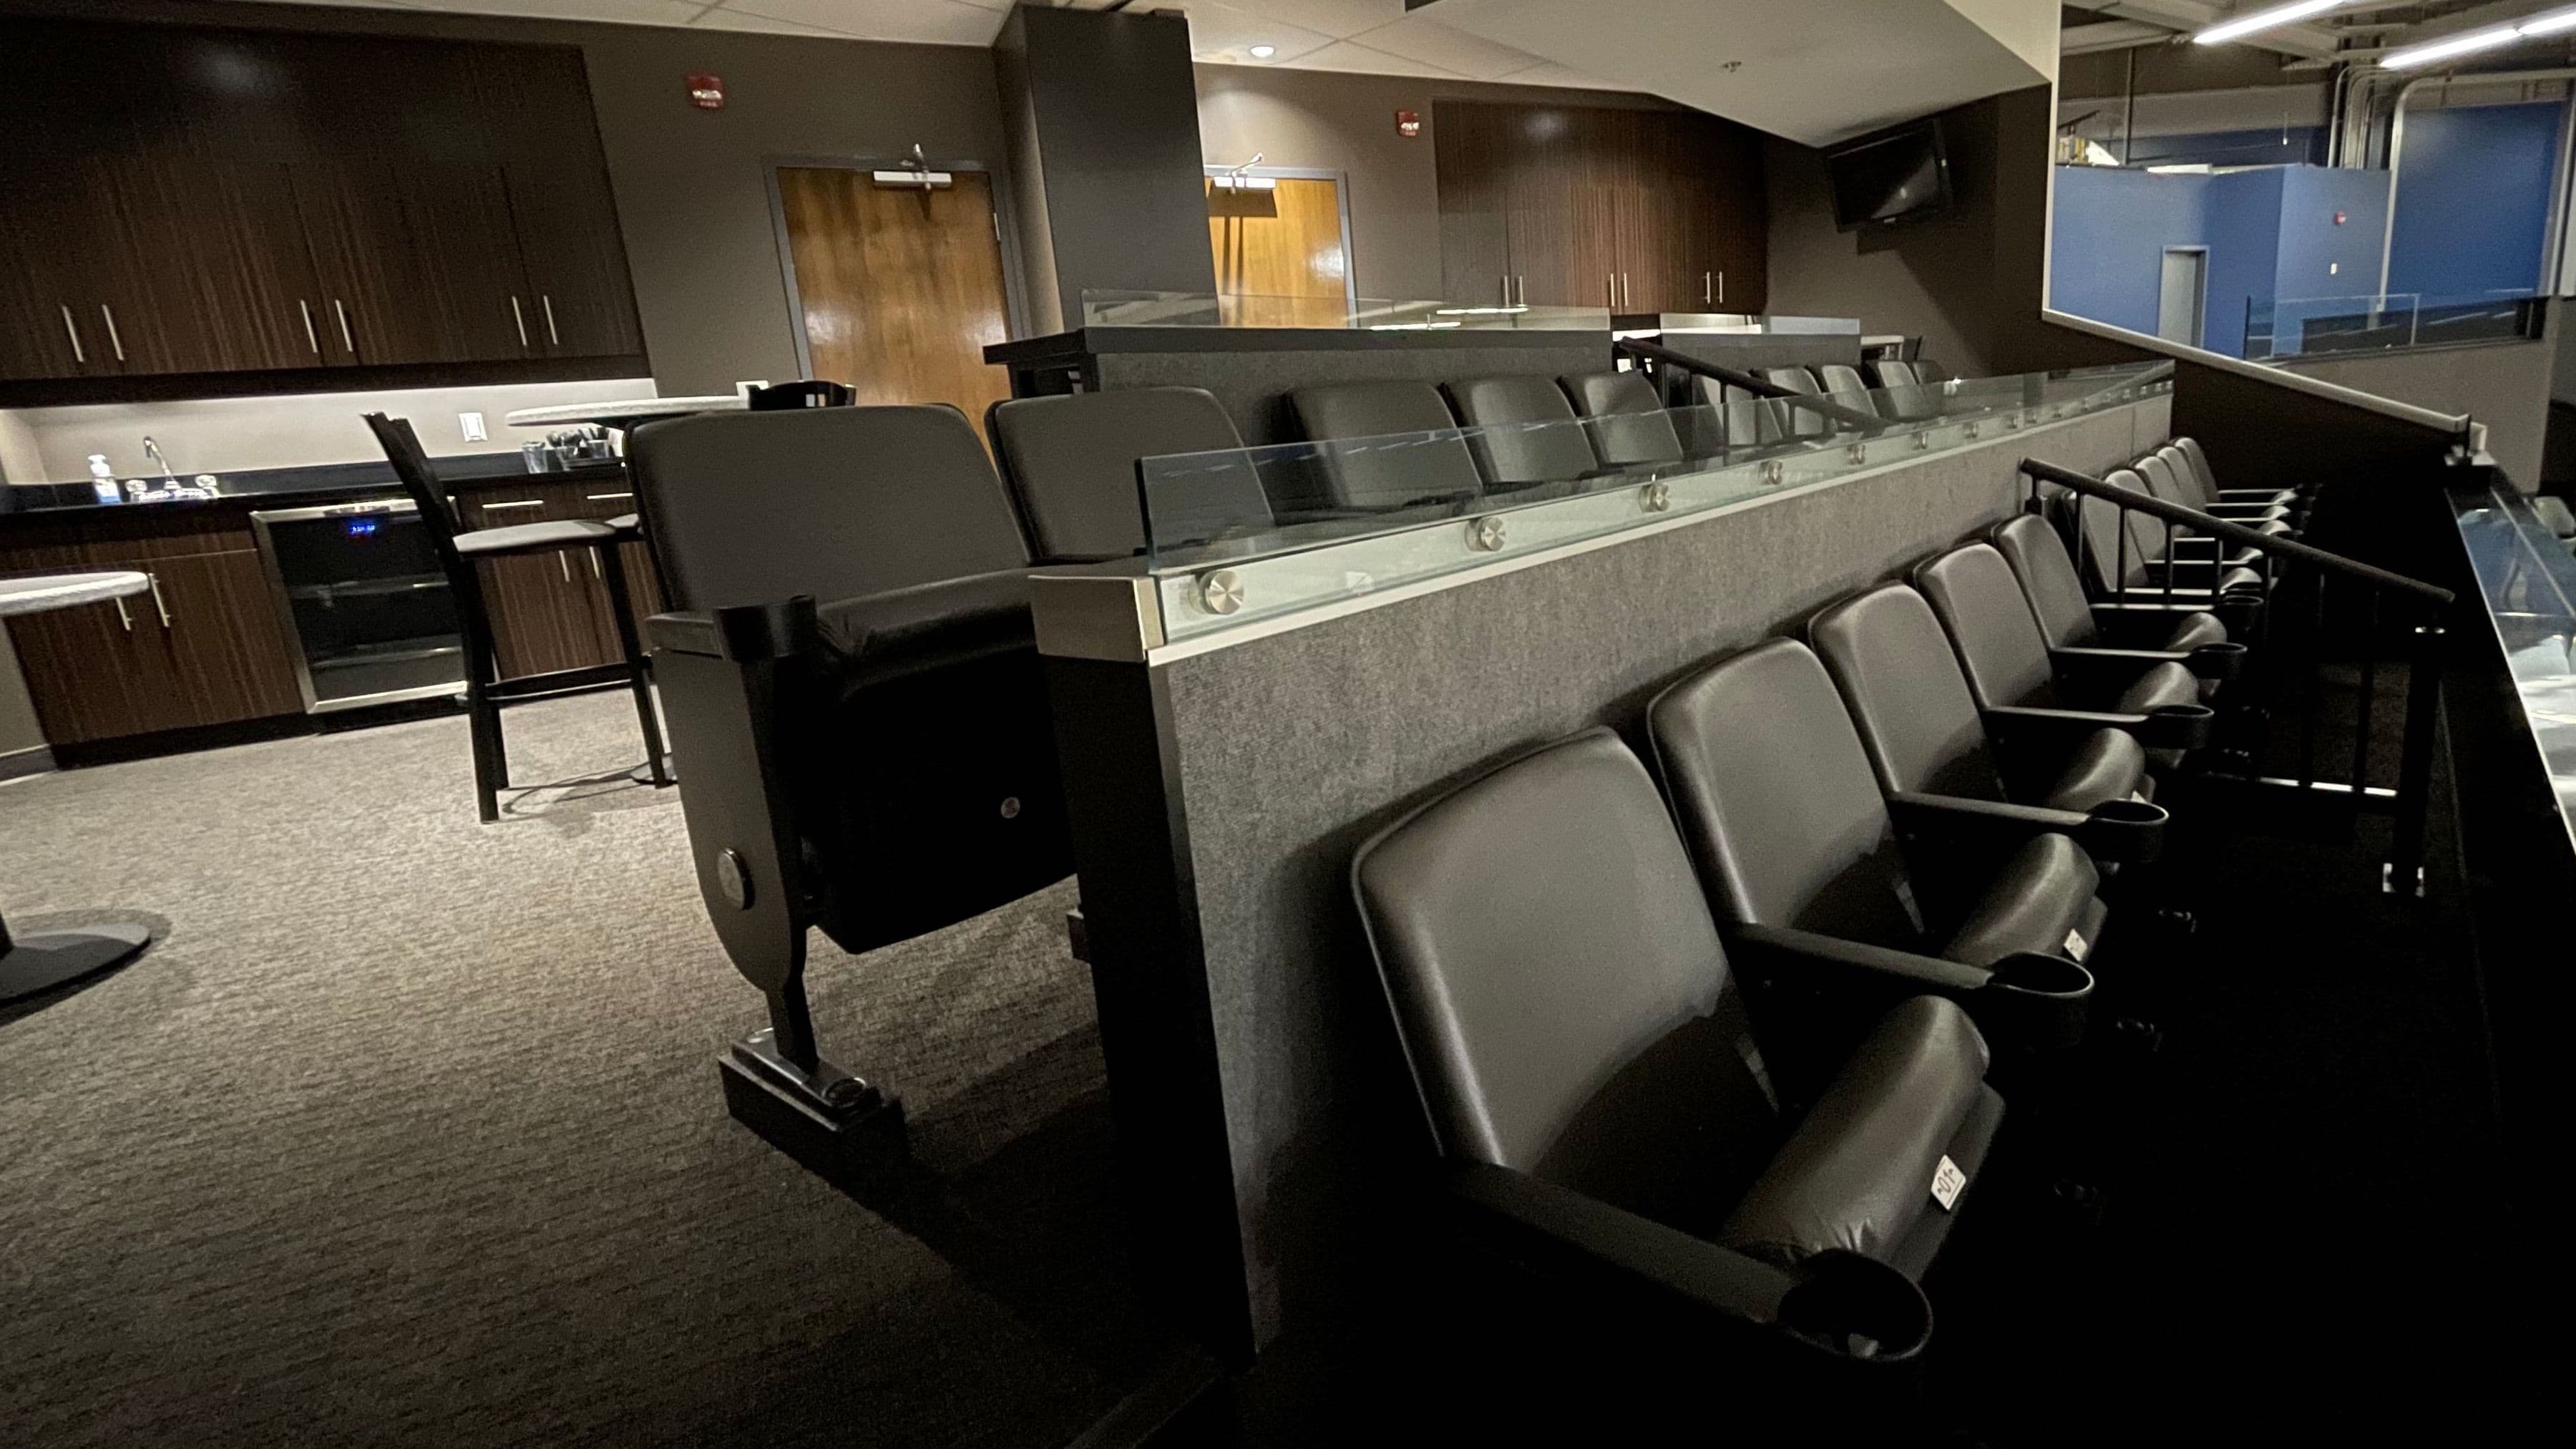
{"type": "Point", "coordinates": [1892, 177]}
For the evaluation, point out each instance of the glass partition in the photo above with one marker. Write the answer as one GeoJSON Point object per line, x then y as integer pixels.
{"type": "Point", "coordinates": [1245, 534]}
{"type": "Point", "coordinates": [1213, 309]}
{"type": "Point", "coordinates": [2318, 326]}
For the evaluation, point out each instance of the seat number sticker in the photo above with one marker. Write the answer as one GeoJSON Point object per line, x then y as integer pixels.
{"type": "Point", "coordinates": [2076, 945]}
{"type": "Point", "coordinates": [1947, 1180]}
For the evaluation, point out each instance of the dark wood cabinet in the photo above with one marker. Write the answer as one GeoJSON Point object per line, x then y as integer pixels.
{"type": "Point", "coordinates": [203, 646]}
{"type": "Point", "coordinates": [1629, 209]}
{"type": "Point", "coordinates": [241, 207]}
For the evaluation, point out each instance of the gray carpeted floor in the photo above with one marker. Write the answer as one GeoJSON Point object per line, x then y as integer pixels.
{"type": "Point", "coordinates": [407, 1130]}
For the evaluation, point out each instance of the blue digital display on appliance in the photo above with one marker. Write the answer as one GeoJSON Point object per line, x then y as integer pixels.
{"type": "Point", "coordinates": [361, 527]}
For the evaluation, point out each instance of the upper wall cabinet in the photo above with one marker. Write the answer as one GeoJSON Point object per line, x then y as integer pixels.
{"type": "Point", "coordinates": [188, 211]}
{"type": "Point", "coordinates": [1633, 210]}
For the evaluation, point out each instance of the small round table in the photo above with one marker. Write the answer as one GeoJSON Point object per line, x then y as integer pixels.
{"type": "Point", "coordinates": [30, 964]}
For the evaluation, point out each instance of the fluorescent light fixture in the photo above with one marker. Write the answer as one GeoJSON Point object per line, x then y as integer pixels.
{"type": "Point", "coordinates": [2244, 25]}
{"type": "Point", "coordinates": [2181, 168]}
{"type": "Point", "coordinates": [2547, 24]}
{"type": "Point", "coordinates": [1264, 52]}
{"type": "Point", "coordinates": [2468, 43]}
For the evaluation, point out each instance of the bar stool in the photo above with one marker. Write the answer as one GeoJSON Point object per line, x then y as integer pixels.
{"type": "Point", "coordinates": [485, 690]}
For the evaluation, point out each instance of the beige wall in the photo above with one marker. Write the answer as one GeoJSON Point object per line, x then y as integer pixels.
{"type": "Point", "coordinates": [1333, 122]}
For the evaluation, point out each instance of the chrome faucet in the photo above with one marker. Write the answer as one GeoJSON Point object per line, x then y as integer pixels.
{"type": "Point", "coordinates": [152, 450]}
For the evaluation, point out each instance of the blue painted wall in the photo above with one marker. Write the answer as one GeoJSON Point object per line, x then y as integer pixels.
{"type": "Point", "coordinates": [2110, 232]}
{"type": "Point", "coordinates": [2244, 230]}
{"type": "Point", "coordinates": [2313, 247]}
{"type": "Point", "coordinates": [2473, 201]}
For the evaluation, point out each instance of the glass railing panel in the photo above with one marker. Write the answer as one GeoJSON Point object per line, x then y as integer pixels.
{"type": "Point", "coordinates": [1251, 533]}
{"type": "Point", "coordinates": [2295, 327]}
{"type": "Point", "coordinates": [1236, 309]}
{"type": "Point", "coordinates": [2527, 581]}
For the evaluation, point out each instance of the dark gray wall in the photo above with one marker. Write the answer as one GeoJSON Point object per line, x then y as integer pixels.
{"type": "Point", "coordinates": [2505, 385]}
{"type": "Point", "coordinates": [692, 194]}
{"type": "Point", "coordinates": [18, 729]}
{"type": "Point", "coordinates": [1332, 122]}
{"type": "Point", "coordinates": [1289, 750]}
{"type": "Point", "coordinates": [1105, 104]}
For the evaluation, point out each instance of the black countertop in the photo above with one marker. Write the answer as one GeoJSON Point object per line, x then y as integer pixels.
{"type": "Point", "coordinates": [271, 487]}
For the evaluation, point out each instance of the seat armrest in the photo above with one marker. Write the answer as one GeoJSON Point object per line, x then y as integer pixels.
{"type": "Point", "coordinates": [2220, 661]}
{"type": "Point", "coordinates": [744, 633]}
{"type": "Point", "coordinates": [2020, 1003]}
{"type": "Point", "coordinates": [2166, 727]}
{"type": "Point", "coordinates": [1959, 814]}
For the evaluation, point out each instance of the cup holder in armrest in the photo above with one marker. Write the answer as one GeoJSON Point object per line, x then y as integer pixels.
{"type": "Point", "coordinates": [2035, 1000]}
{"type": "Point", "coordinates": [1858, 1308]}
{"type": "Point", "coordinates": [2123, 831]}
{"type": "Point", "coordinates": [2217, 661]}
{"type": "Point", "coordinates": [2177, 727]}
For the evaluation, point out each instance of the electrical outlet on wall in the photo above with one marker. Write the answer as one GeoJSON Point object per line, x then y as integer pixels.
{"type": "Point", "coordinates": [472, 423]}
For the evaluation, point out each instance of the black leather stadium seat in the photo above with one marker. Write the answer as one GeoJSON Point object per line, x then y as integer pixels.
{"type": "Point", "coordinates": [2168, 475]}
{"type": "Point", "coordinates": [2205, 482]}
{"type": "Point", "coordinates": [1802, 422]}
{"type": "Point", "coordinates": [2070, 622]}
{"type": "Point", "coordinates": [1522, 431]}
{"type": "Point", "coordinates": [1925, 735]}
{"type": "Point", "coordinates": [1635, 428]}
{"type": "Point", "coordinates": [1843, 384]}
{"type": "Point", "coordinates": [1799, 852]}
{"type": "Point", "coordinates": [1406, 446]}
{"type": "Point", "coordinates": [1070, 462]}
{"type": "Point", "coordinates": [2009, 666]}
{"type": "Point", "coordinates": [851, 680]}
{"type": "Point", "coordinates": [1580, 1044]}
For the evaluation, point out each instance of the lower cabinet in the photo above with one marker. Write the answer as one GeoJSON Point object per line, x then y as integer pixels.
{"type": "Point", "coordinates": [550, 610]}
{"type": "Point", "coordinates": [202, 646]}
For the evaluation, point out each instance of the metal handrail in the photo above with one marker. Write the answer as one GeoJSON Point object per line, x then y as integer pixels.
{"type": "Point", "coordinates": [2404, 872]}
{"type": "Point", "coordinates": [1744, 381]}
{"type": "Point", "coordinates": [2199, 522]}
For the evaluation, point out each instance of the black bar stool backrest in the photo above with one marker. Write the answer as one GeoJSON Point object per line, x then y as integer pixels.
{"type": "Point", "coordinates": [837, 503]}
{"type": "Point", "coordinates": [420, 484]}
{"type": "Point", "coordinates": [811, 392]}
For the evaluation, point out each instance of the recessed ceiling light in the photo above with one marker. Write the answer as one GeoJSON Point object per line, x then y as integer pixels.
{"type": "Point", "coordinates": [1264, 52]}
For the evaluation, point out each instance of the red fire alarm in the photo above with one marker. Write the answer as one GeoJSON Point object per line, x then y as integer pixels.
{"type": "Point", "coordinates": [1408, 124]}
{"type": "Point", "coordinates": [706, 92]}
{"type": "Point", "coordinates": [2338, 218]}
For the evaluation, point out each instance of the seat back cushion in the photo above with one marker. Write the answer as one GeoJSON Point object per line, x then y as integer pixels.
{"type": "Point", "coordinates": [2048, 580]}
{"type": "Point", "coordinates": [2165, 483]}
{"type": "Point", "coordinates": [1893, 373]}
{"type": "Point", "coordinates": [1070, 461]}
{"type": "Point", "coordinates": [2146, 531]}
{"type": "Point", "coordinates": [1843, 384]}
{"type": "Point", "coordinates": [1777, 801]}
{"type": "Point", "coordinates": [748, 508]}
{"type": "Point", "coordinates": [1981, 604]}
{"type": "Point", "coordinates": [1892, 663]}
{"type": "Point", "coordinates": [1412, 452]}
{"type": "Point", "coordinates": [1635, 427]}
{"type": "Point", "coordinates": [1802, 422]}
{"type": "Point", "coordinates": [2201, 476]}
{"type": "Point", "coordinates": [1521, 430]}
{"type": "Point", "coordinates": [1558, 984]}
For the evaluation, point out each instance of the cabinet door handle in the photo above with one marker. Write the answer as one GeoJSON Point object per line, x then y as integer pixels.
{"type": "Point", "coordinates": [158, 602]}
{"type": "Point", "coordinates": [72, 330]}
{"type": "Point", "coordinates": [347, 339]}
{"type": "Point", "coordinates": [1706, 297]}
{"type": "Point", "coordinates": [515, 503]}
{"type": "Point", "coordinates": [553, 338]}
{"type": "Point", "coordinates": [594, 564]}
{"type": "Point", "coordinates": [1522, 281]}
{"type": "Point", "coordinates": [520, 319]}
{"type": "Point", "coordinates": [564, 561]}
{"type": "Point", "coordinates": [112, 339]}
{"type": "Point", "coordinates": [123, 617]}
{"type": "Point", "coordinates": [606, 497]}
{"type": "Point", "coordinates": [1721, 288]}
{"type": "Point", "coordinates": [1614, 289]}
{"type": "Point", "coordinates": [312, 338]}
{"type": "Point", "coordinates": [1507, 289]}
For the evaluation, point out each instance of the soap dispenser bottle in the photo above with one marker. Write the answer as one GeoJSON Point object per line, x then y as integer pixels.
{"type": "Point", "coordinates": [102, 480]}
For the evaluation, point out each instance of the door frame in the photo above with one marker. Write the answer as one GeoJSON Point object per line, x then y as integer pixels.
{"type": "Point", "coordinates": [1014, 298]}
{"type": "Point", "coordinates": [2200, 314]}
{"type": "Point", "coordinates": [1341, 199]}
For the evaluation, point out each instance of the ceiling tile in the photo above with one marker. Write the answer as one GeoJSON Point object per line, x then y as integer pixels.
{"type": "Point", "coordinates": [1224, 33]}
{"type": "Point", "coordinates": [1338, 18]}
{"type": "Point", "coordinates": [723, 19]}
{"type": "Point", "coordinates": [1351, 56]}
{"type": "Point", "coordinates": [624, 12]}
{"type": "Point", "coordinates": [1418, 37]}
{"type": "Point", "coordinates": [927, 22]}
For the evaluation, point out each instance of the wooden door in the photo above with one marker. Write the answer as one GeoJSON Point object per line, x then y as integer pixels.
{"type": "Point", "coordinates": [1279, 256]}
{"type": "Point", "coordinates": [901, 287]}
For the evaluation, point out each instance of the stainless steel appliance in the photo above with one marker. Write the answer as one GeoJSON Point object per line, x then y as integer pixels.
{"type": "Point", "coordinates": [374, 620]}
